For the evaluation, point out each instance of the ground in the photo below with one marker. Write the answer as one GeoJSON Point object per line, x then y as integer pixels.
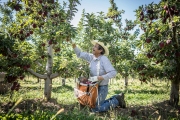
{"type": "Point", "coordinates": [158, 111]}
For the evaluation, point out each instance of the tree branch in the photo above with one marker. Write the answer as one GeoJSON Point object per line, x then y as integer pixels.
{"type": "Point", "coordinates": [37, 74]}
{"type": "Point", "coordinates": [54, 75]}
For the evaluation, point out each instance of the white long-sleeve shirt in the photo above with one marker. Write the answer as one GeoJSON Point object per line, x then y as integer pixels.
{"type": "Point", "coordinates": [106, 70]}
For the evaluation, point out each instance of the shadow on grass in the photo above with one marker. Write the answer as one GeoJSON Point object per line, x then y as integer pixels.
{"type": "Point", "coordinates": [141, 91]}
{"type": "Point", "coordinates": [54, 88]}
{"type": "Point", "coordinates": [160, 111]}
{"type": "Point", "coordinates": [31, 105]}
{"type": "Point", "coordinates": [156, 111]}
{"type": "Point", "coordinates": [62, 88]}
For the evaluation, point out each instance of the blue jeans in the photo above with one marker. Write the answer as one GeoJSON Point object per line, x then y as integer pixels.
{"type": "Point", "coordinates": [103, 105]}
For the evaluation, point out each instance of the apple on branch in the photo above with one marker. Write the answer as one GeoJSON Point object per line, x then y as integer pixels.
{"type": "Point", "coordinates": [148, 40]}
{"type": "Point", "coordinates": [161, 44]}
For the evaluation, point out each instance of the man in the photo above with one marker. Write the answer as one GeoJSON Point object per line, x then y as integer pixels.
{"type": "Point", "coordinates": [103, 73]}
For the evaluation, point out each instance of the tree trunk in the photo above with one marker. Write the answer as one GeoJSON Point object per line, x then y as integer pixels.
{"type": "Point", "coordinates": [40, 84]}
{"type": "Point", "coordinates": [37, 80]}
{"type": "Point", "coordinates": [126, 81]}
{"type": "Point", "coordinates": [47, 89]}
{"type": "Point", "coordinates": [48, 81]}
{"type": "Point", "coordinates": [174, 94]}
{"type": "Point", "coordinates": [63, 82]}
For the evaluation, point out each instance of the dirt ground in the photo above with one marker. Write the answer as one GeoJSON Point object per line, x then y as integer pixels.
{"type": "Point", "coordinates": [159, 111]}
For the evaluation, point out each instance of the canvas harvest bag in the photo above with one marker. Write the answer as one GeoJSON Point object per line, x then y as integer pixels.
{"type": "Point", "coordinates": [87, 93]}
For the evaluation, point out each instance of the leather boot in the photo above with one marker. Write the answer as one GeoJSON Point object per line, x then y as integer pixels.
{"type": "Point", "coordinates": [120, 98]}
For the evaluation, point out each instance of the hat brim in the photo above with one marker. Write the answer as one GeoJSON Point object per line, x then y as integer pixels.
{"type": "Point", "coordinates": [102, 44]}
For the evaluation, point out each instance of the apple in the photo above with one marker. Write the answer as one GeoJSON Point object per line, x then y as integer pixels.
{"type": "Point", "coordinates": [21, 77]}
{"type": "Point", "coordinates": [165, 7]}
{"type": "Point", "coordinates": [34, 25]}
{"type": "Point", "coordinates": [173, 8]}
{"type": "Point", "coordinates": [167, 54]}
{"type": "Point", "coordinates": [40, 12]}
{"type": "Point", "coordinates": [28, 66]}
{"type": "Point", "coordinates": [161, 44]}
{"type": "Point", "coordinates": [42, 56]}
{"type": "Point", "coordinates": [17, 7]}
{"type": "Point", "coordinates": [56, 15]}
{"type": "Point", "coordinates": [164, 20]}
{"type": "Point", "coordinates": [177, 54]}
{"type": "Point", "coordinates": [15, 55]}
{"type": "Point", "coordinates": [168, 42]}
{"type": "Point", "coordinates": [25, 67]}
{"type": "Point", "coordinates": [22, 38]}
{"type": "Point", "coordinates": [43, 44]}
{"type": "Point", "coordinates": [15, 83]}
{"type": "Point", "coordinates": [148, 40]}
{"type": "Point", "coordinates": [17, 87]}
{"type": "Point", "coordinates": [11, 79]}
{"type": "Point", "coordinates": [142, 18]}
{"type": "Point", "coordinates": [149, 11]}
{"type": "Point", "coordinates": [27, 9]}
{"type": "Point", "coordinates": [50, 42]}
{"type": "Point", "coordinates": [157, 62]}
{"type": "Point", "coordinates": [40, 1]}
{"type": "Point", "coordinates": [21, 31]}
{"type": "Point", "coordinates": [13, 87]}
{"type": "Point", "coordinates": [133, 113]}
{"type": "Point", "coordinates": [57, 49]}
{"type": "Point", "coordinates": [44, 14]}
{"type": "Point", "coordinates": [51, 1]}
{"type": "Point", "coordinates": [31, 32]}
{"type": "Point", "coordinates": [28, 34]}
{"type": "Point", "coordinates": [149, 55]}
{"type": "Point", "coordinates": [157, 31]}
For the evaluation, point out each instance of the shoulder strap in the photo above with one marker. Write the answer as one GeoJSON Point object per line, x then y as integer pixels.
{"type": "Point", "coordinates": [98, 67]}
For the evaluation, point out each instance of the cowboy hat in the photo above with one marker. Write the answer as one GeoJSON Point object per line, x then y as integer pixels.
{"type": "Point", "coordinates": [102, 44]}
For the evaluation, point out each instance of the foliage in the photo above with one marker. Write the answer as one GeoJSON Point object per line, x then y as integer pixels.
{"type": "Point", "coordinates": [108, 29]}
{"type": "Point", "coordinates": [160, 41]}
{"type": "Point", "coordinates": [28, 28]}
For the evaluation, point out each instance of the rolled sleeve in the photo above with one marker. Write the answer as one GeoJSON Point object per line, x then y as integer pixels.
{"type": "Point", "coordinates": [83, 55]}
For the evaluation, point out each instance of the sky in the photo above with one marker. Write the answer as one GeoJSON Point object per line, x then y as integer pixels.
{"type": "Point", "coordinates": [94, 6]}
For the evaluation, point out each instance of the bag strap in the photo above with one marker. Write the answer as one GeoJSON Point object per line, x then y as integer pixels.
{"type": "Point", "coordinates": [98, 67]}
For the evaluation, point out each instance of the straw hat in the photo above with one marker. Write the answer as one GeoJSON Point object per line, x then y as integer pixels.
{"type": "Point", "coordinates": [102, 44]}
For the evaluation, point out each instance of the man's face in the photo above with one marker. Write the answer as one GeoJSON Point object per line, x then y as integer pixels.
{"type": "Point", "coordinates": [96, 51]}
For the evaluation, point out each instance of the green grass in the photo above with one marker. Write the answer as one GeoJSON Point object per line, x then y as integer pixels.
{"type": "Point", "coordinates": [141, 97]}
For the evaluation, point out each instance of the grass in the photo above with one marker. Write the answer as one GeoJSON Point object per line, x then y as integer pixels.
{"type": "Point", "coordinates": [144, 101]}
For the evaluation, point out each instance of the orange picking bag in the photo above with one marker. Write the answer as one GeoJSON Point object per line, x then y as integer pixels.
{"type": "Point", "coordinates": [87, 93]}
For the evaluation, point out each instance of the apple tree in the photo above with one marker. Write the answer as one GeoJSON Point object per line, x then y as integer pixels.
{"type": "Point", "coordinates": [39, 28]}
{"type": "Point", "coordinates": [160, 23]}
{"type": "Point", "coordinates": [108, 28]}
{"type": "Point", "coordinates": [122, 52]}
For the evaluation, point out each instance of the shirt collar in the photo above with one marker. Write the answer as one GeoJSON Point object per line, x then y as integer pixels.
{"type": "Point", "coordinates": [96, 58]}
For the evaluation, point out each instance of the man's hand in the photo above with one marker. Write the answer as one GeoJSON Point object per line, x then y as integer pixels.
{"type": "Point", "coordinates": [93, 79]}
{"type": "Point", "coordinates": [73, 45]}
